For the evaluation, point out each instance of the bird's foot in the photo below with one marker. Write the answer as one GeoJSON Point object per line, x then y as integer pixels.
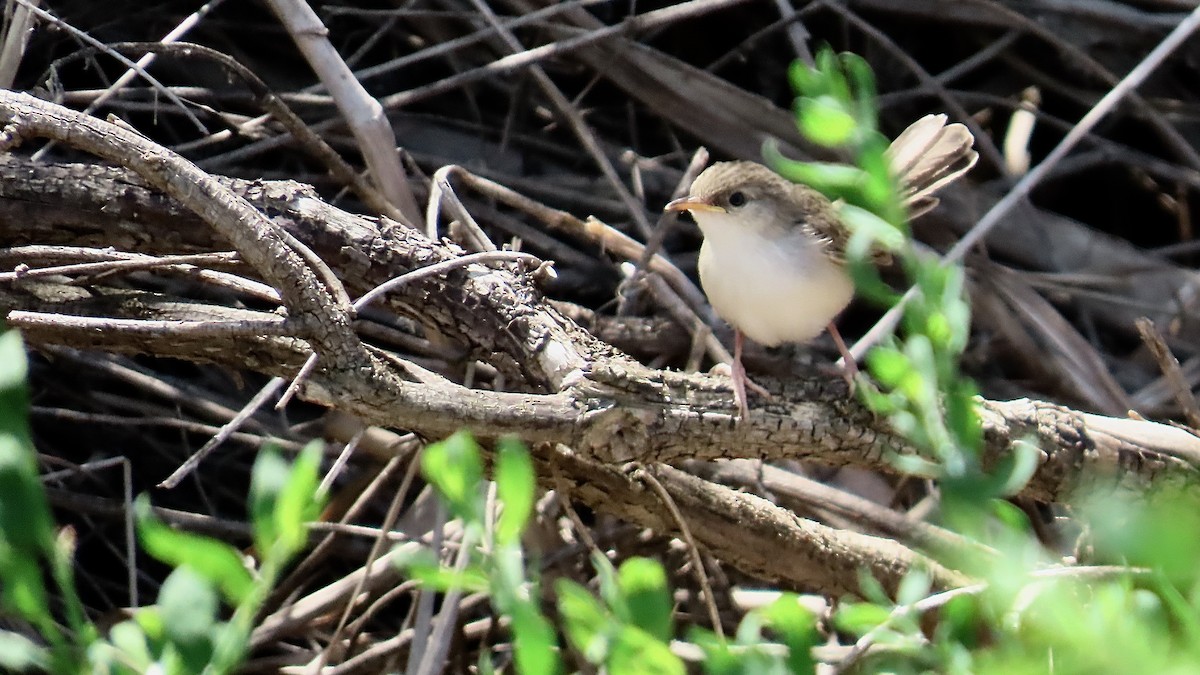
{"type": "Point", "coordinates": [849, 365]}
{"type": "Point", "coordinates": [737, 372]}
{"type": "Point", "coordinates": [846, 373]}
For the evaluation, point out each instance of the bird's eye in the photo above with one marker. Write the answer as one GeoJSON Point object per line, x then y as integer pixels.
{"type": "Point", "coordinates": [737, 198]}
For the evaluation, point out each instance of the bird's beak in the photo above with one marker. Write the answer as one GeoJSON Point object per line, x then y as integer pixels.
{"type": "Point", "coordinates": [692, 204]}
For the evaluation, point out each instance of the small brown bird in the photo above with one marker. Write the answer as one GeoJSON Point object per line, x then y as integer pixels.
{"type": "Point", "coordinates": [772, 262]}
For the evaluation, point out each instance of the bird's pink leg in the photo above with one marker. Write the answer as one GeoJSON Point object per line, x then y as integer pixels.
{"type": "Point", "coordinates": [850, 369]}
{"type": "Point", "coordinates": [740, 381]}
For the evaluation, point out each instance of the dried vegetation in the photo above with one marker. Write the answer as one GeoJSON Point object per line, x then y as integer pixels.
{"type": "Point", "coordinates": [571, 125]}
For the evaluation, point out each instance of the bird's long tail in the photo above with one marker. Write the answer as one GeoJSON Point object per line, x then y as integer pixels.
{"type": "Point", "coordinates": [928, 155]}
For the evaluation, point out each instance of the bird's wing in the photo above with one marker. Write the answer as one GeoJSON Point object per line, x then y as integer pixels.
{"type": "Point", "coordinates": [818, 217]}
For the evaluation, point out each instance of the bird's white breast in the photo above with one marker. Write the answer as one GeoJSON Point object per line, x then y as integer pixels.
{"type": "Point", "coordinates": [774, 290]}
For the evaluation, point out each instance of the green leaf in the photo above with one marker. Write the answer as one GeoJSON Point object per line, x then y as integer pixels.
{"type": "Point", "coordinates": [643, 584]}
{"type": "Point", "coordinates": [797, 626]}
{"type": "Point", "coordinates": [298, 502]}
{"type": "Point", "coordinates": [1010, 514]}
{"type": "Point", "coordinates": [454, 468]}
{"type": "Point", "coordinates": [880, 192]}
{"type": "Point", "coordinates": [14, 395]}
{"type": "Point", "coordinates": [921, 388]}
{"type": "Point", "coordinates": [423, 566]}
{"type": "Point", "coordinates": [516, 487]}
{"type": "Point", "coordinates": [877, 401]}
{"type": "Point", "coordinates": [19, 654]}
{"type": "Point", "coordinates": [862, 82]}
{"type": "Point", "coordinates": [189, 603]}
{"type": "Point", "coordinates": [25, 522]}
{"type": "Point", "coordinates": [14, 367]}
{"type": "Point", "coordinates": [834, 81]}
{"type": "Point", "coordinates": [750, 630]}
{"type": "Point", "coordinates": [719, 658]}
{"type": "Point", "coordinates": [535, 646]}
{"type": "Point", "coordinates": [858, 618]}
{"type": "Point", "coordinates": [23, 589]}
{"type": "Point", "coordinates": [129, 639]}
{"type": "Point", "coordinates": [508, 575]}
{"type": "Point", "coordinates": [636, 652]}
{"type": "Point", "coordinates": [867, 281]}
{"type": "Point", "coordinates": [484, 664]}
{"type": "Point", "coordinates": [835, 181]}
{"type": "Point", "coordinates": [888, 365]}
{"type": "Point", "coordinates": [880, 233]}
{"type": "Point", "coordinates": [825, 122]}
{"type": "Point", "coordinates": [803, 78]}
{"type": "Point", "coordinates": [609, 589]}
{"type": "Point", "coordinates": [150, 621]}
{"type": "Point", "coordinates": [1016, 468]}
{"type": "Point", "coordinates": [585, 622]}
{"type": "Point", "coordinates": [962, 416]}
{"type": "Point", "coordinates": [267, 480]}
{"type": "Point", "coordinates": [913, 587]}
{"type": "Point", "coordinates": [872, 589]}
{"type": "Point", "coordinates": [214, 560]}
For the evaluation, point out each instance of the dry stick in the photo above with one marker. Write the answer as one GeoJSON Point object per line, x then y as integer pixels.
{"type": "Point", "coordinates": [710, 602]}
{"type": "Point", "coordinates": [505, 65]}
{"type": "Point", "coordinates": [575, 121]}
{"type": "Point", "coordinates": [177, 32]}
{"type": "Point", "coordinates": [1023, 187]}
{"type": "Point", "coordinates": [612, 239]}
{"type": "Point", "coordinates": [125, 263]}
{"type": "Point", "coordinates": [467, 40]}
{"type": "Point", "coordinates": [382, 289]}
{"type": "Point", "coordinates": [320, 602]}
{"type": "Point", "coordinates": [1155, 393]}
{"type": "Point", "coordinates": [816, 495]}
{"type": "Point", "coordinates": [184, 396]}
{"type": "Point", "coordinates": [422, 614]}
{"type": "Point", "coordinates": [440, 268]}
{"type": "Point", "coordinates": [378, 604]}
{"type": "Point", "coordinates": [797, 34]}
{"type": "Point", "coordinates": [153, 327]}
{"type": "Point", "coordinates": [308, 140]}
{"type": "Point", "coordinates": [343, 458]}
{"type": "Point", "coordinates": [300, 571]}
{"type": "Point", "coordinates": [438, 644]}
{"type": "Point", "coordinates": [1171, 136]}
{"type": "Point", "coordinates": [31, 6]}
{"type": "Point", "coordinates": [364, 114]}
{"type": "Point", "coordinates": [742, 48]}
{"type": "Point", "coordinates": [521, 59]}
{"type": "Point", "coordinates": [389, 520]}
{"type": "Point", "coordinates": [694, 316]}
{"type": "Point", "coordinates": [983, 140]}
{"type": "Point", "coordinates": [16, 39]}
{"type": "Point", "coordinates": [266, 247]}
{"type": "Point", "coordinates": [66, 415]}
{"type": "Point", "coordinates": [605, 236]}
{"type": "Point", "coordinates": [976, 60]}
{"type": "Point", "coordinates": [560, 492]}
{"type": "Point", "coordinates": [127, 504]}
{"type": "Point", "coordinates": [395, 64]}
{"type": "Point", "coordinates": [1170, 368]}
{"type": "Point", "coordinates": [440, 189]}
{"type": "Point", "coordinates": [133, 261]}
{"type": "Point", "coordinates": [226, 431]}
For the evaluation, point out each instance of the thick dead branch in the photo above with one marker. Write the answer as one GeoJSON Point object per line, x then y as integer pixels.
{"type": "Point", "coordinates": [601, 404]}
